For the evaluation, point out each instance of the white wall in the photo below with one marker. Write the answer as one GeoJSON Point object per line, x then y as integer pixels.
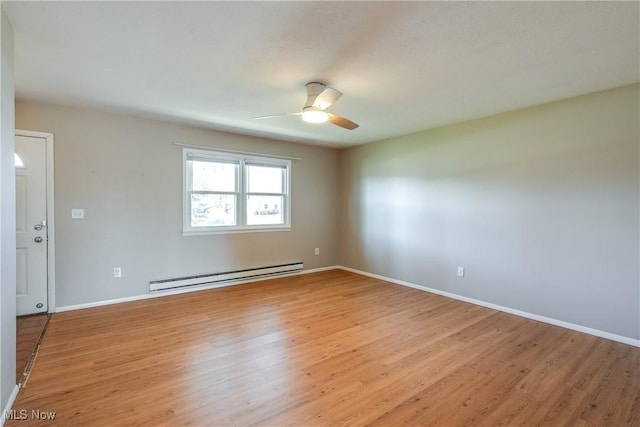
{"type": "Point", "coordinates": [127, 175]}
{"type": "Point", "coordinates": [541, 207]}
{"type": "Point", "coordinates": [7, 217]}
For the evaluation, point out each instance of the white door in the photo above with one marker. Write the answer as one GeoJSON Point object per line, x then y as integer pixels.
{"type": "Point", "coordinates": [31, 226]}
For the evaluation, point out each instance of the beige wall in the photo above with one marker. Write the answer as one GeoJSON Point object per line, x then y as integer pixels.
{"type": "Point", "coordinates": [541, 207]}
{"type": "Point", "coordinates": [127, 175]}
{"type": "Point", "coordinates": [7, 216]}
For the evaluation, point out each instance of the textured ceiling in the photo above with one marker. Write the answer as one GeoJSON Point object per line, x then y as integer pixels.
{"type": "Point", "coordinates": [402, 66]}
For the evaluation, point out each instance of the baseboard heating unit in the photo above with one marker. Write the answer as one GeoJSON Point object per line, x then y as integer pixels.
{"type": "Point", "coordinates": [224, 277]}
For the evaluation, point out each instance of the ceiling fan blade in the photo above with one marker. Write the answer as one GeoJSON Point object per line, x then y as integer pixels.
{"type": "Point", "coordinates": [276, 115]}
{"type": "Point", "coordinates": [327, 98]}
{"type": "Point", "coordinates": [313, 90]}
{"type": "Point", "coordinates": [342, 122]}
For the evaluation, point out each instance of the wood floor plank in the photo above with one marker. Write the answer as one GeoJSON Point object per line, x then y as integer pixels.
{"type": "Point", "coordinates": [324, 349]}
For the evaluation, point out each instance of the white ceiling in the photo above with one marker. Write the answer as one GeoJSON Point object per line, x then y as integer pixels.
{"type": "Point", "coordinates": [403, 66]}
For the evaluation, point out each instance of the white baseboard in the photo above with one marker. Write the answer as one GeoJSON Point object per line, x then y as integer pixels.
{"type": "Point", "coordinates": [556, 322]}
{"type": "Point", "coordinates": [317, 270]}
{"type": "Point", "coordinates": [9, 405]}
{"type": "Point", "coordinates": [183, 291]}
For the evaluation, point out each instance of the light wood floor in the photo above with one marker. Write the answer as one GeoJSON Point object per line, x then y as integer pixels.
{"type": "Point", "coordinates": [331, 349]}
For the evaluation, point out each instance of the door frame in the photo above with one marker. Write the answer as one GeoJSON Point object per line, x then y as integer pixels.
{"type": "Point", "coordinates": [51, 242]}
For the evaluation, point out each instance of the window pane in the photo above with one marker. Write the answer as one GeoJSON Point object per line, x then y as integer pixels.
{"type": "Point", "coordinates": [18, 161]}
{"type": "Point", "coordinates": [265, 179]}
{"type": "Point", "coordinates": [213, 176]}
{"type": "Point", "coordinates": [210, 210]}
{"type": "Point", "coordinates": [264, 210]}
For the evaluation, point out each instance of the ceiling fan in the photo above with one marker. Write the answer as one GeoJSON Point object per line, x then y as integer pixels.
{"type": "Point", "coordinates": [319, 98]}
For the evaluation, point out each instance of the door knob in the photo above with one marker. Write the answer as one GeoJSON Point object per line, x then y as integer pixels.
{"type": "Point", "coordinates": [38, 227]}
{"type": "Point", "coordinates": [38, 239]}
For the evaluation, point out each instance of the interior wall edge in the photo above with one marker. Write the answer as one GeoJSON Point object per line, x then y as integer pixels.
{"type": "Point", "coordinates": [9, 405]}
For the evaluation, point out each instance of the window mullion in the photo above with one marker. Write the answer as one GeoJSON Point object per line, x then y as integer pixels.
{"type": "Point", "coordinates": [189, 184]}
{"type": "Point", "coordinates": [241, 196]}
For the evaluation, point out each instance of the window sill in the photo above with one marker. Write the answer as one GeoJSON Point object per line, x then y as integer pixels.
{"type": "Point", "coordinates": [235, 231]}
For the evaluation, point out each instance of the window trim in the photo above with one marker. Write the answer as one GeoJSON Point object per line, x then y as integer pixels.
{"type": "Point", "coordinates": [242, 160]}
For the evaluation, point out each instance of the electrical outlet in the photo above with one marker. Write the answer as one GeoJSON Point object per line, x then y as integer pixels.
{"type": "Point", "coordinates": [461, 271]}
{"type": "Point", "coordinates": [77, 213]}
{"type": "Point", "coordinates": [317, 251]}
{"type": "Point", "coordinates": [117, 272]}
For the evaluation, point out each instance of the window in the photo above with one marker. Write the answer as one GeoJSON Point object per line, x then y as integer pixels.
{"type": "Point", "coordinates": [228, 192]}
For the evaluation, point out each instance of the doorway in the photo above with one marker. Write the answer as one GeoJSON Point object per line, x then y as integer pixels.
{"type": "Point", "coordinates": [31, 226]}
{"type": "Point", "coordinates": [35, 244]}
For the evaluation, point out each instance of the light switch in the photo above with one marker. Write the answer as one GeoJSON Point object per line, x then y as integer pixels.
{"type": "Point", "coordinates": [77, 213]}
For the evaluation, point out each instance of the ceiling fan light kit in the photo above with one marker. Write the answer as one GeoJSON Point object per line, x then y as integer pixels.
{"type": "Point", "coordinates": [314, 115]}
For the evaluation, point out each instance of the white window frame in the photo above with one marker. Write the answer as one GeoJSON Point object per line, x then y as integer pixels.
{"type": "Point", "coordinates": [241, 215]}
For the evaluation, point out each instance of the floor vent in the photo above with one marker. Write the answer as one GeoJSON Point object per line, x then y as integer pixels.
{"type": "Point", "coordinates": [224, 277]}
